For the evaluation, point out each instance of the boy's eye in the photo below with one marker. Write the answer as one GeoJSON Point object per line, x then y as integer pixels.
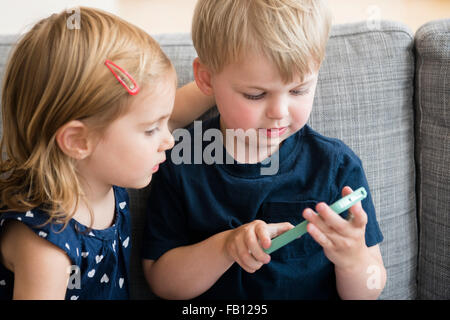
{"type": "Point", "coordinates": [300, 92]}
{"type": "Point", "coordinates": [254, 97]}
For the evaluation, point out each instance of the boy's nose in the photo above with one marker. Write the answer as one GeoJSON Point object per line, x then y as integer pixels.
{"type": "Point", "coordinates": [277, 109]}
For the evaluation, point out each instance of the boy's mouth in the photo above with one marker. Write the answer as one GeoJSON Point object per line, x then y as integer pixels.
{"type": "Point", "coordinates": [274, 132]}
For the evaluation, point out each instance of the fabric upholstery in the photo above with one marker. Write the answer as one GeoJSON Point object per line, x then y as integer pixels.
{"type": "Point", "coordinates": [433, 157]}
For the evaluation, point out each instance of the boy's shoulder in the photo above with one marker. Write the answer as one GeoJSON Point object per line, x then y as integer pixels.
{"type": "Point", "coordinates": [327, 146]}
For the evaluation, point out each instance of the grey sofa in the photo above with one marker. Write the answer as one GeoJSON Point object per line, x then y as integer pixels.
{"type": "Point", "coordinates": [386, 93]}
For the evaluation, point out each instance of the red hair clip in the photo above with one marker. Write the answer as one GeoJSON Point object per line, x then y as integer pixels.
{"type": "Point", "coordinates": [125, 79]}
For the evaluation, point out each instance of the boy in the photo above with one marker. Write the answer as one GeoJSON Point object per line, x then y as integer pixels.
{"type": "Point", "coordinates": [208, 224]}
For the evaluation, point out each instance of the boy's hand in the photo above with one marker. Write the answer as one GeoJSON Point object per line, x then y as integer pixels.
{"type": "Point", "coordinates": [343, 241]}
{"type": "Point", "coordinates": [243, 244]}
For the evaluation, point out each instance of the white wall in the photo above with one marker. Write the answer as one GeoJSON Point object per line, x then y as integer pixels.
{"type": "Point", "coordinates": [162, 16]}
{"type": "Point", "coordinates": [17, 16]}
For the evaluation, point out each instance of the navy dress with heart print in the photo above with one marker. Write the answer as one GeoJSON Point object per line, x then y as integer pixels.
{"type": "Point", "coordinates": [100, 258]}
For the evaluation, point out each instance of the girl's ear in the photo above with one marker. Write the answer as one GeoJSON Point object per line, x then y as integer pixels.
{"type": "Point", "coordinates": [73, 139]}
{"type": "Point", "coordinates": [202, 77]}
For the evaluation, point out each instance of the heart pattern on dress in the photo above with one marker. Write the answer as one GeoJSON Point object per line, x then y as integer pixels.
{"type": "Point", "coordinates": [104, 279]}
{"type": "Point", "coordinates": [125, 242]}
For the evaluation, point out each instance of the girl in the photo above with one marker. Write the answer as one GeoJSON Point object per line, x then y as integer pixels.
{"type": "Point", "coordinates": [86, 113]}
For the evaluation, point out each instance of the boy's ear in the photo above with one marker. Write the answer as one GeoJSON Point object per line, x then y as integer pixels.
{"type": "Point", "coordinates": [73, 139]}
{"type": "Point", "coordinates": [202, 77]}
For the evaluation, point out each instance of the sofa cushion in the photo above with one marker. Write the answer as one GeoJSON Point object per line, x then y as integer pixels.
{"type": "Point", "coordinates": [365, 98]}
{"type": "Point", "coordinates": [433, 158]}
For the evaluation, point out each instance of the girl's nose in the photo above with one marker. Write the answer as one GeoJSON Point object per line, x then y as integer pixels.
{"type": "Point", "coordinates": [167, 142]}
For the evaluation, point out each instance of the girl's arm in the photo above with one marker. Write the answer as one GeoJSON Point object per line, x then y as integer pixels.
{"type": "Point", "coordinates": [41, 270]}
{"type": "Point", "coordinates": [190, 103]}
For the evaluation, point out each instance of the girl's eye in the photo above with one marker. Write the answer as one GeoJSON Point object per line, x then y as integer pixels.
{"type": "Point", "coordinates": [254, 97]}
{"type": "Point", "coordinates": [300, 92]}
{"type": "Point", "coordinates": [151, 131]}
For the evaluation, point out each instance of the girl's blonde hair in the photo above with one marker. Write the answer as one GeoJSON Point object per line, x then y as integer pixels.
{"type": "Point", "coordinates": [291, 33]}
{"type": "Point", "coordinates": [56, 74]}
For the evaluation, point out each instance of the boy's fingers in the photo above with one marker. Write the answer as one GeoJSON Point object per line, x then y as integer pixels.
{"type": "Point", "coordinates": [249, 267]}
{"type": "Point", "coordinates": [331, 219]}
{"type": "Point", "coordinates": [357, 215]}
{"type": "Point", "coordinates": [263, 234]}
{"type": "Point", "coordinates": [319, 236]}
{"type": "Point", "coordinates": [346, 191]}
{"type": "Point", "coordinates": [275, 229]}
{"type": "Point", "coordinates": [253, 244]}
{"type": "Point", "coordinates": [247, 261]}
{"type": "Point", "coordinates": [311, 216]}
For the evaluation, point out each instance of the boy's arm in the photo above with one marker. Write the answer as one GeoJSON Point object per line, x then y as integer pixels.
{"type": "Point", "coordinates": [40, 268]}
{"type": "Point", "coordinates": [190, 103]}
{"type": "Point", "coordinates": [364, 280]}
{"type": "Point", "coordinates": [188, 271]}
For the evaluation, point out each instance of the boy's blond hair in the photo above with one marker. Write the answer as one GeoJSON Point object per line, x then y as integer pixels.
{"type": "Point", "coordinates": [291, 33]}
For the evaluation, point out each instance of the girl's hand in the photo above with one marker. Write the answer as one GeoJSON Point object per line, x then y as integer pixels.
{"type": "Point", "coordinates": [244, 244]}
{"type": "Point", "coordinates": [343, 241]}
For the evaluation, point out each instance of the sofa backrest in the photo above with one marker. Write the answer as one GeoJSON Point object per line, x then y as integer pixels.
{"type": "Point", "coordinates": [364, 97]}
{"type": "Point", "coordinates": [433, 158]}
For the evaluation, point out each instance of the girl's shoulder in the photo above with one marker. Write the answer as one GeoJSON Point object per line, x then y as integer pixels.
{"type": "Point", "coordinates": [30, 257]}
{"type": "Point", "coordinates": [71, 237]}
{"type": "Point", "coordinates": [99, 256]}
{"type": "Point", "coordinates": [37, 221]}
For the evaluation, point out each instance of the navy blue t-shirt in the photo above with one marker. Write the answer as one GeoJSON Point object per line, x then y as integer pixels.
{"type": "Point", "coordinates": [100, 258]}
{"type": "Point", "coordinates": [191, 202]}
